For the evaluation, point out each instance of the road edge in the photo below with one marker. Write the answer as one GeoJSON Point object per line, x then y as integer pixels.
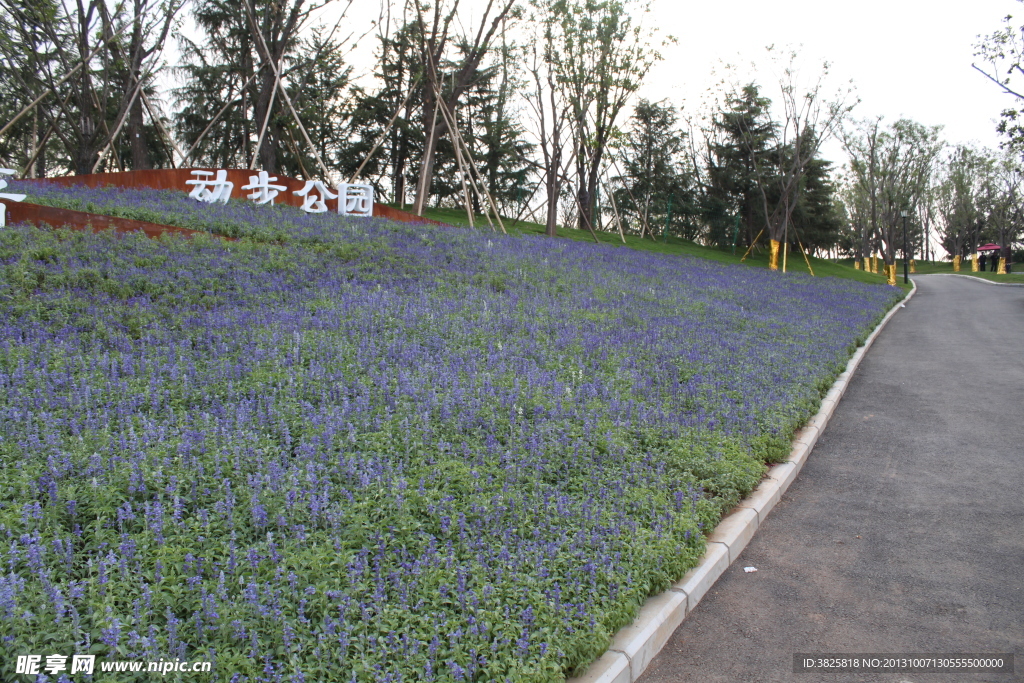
{"type": "Point", "coordinates": [634, 646]}
{"type": "Point", "coordinates": [981, 279]}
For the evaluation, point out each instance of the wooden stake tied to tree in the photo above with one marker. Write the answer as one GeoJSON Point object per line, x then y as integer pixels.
{"type": "Point", "coordinates": [433, 46]}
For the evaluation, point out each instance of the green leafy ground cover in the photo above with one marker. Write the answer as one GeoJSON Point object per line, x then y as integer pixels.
{"type": "Point", "coordinates": [672, 246]}
{"type": "Point", "coordinates": [355, 450]}
{"type": "Point", "coordinates": [167, 208]}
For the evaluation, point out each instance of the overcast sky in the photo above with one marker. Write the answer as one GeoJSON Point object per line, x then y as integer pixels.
{"type": "Point", "coordinates": [905, 57]}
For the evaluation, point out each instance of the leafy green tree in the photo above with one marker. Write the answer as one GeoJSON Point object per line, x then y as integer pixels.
{"type": "Point", "coordinates": [1001, 54]}
{"type": "Point", "coordinates": [231, 107]}
{"type": "Point", "coordinates": [320, 89]}
{"type": "Point", "coordinates": [655, 189]}
{"type": "Point", "coordinates": [28, 55]}
{"type": "Point", "coordinates": [806, 117]}
{"type": "Point", "coordinates": [862, 143]}
{"type": "Point", "coordinates": [893, 168]}
{"type": "Point", "coordinates": [90, 74]}
{"type": "Point", "coordinates": [960, 199]}
{"type": "Point", "coordinates": [215, 102]}
{"type": "Point", "coordinates": [755, 178]}
{"type": "Point", "coordinates": [550, 108]}
{"type": "Point", "coordinates": [1003, 203]}
{"type": "Point", "coordinates": [600, 56]}
{"type": "Point", "coordinates": [818, 216]}
{"type": "Point", "coordinates": [909, 151]}
{"type": "Point", "coordinates": [397, 102]}
{"type": "Point", "coordinates": [738, 136]}
{"type": "Point", "coordinates": [494, 133]}
{"type": "Point", "coordinates": [854, 210]}
{"type": "Point", "coordinates": [449, 78]}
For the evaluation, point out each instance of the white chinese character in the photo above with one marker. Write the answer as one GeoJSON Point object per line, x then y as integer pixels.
{"type": "Point", "coordinates": [313, 203]}
{"type": "Point", "coordinates": [7, 195]}
{"type": "Point", "coordinates": [356, 200]}
{"type": "Point", "coordinates": [264, 191]}
{"type": "Point", "coordinates": [55, 663]}
{"type": "Point", "coordinates": [28, 664]}
{"type": "Point", "coordinates": [82, 664]}
{"type": "Point", "coordinates": [210, 191]}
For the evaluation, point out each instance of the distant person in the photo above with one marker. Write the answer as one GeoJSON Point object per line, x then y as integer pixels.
{"type": "Point", "coordinates": [982, 261]}
{"type": "Point", "coordinates": [995, 261]}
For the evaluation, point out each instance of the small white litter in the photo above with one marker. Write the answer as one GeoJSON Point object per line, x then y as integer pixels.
{"type": "Point", "coordinates": [750, 569]}
{"type": "Point", "coordinates": [903, 305]}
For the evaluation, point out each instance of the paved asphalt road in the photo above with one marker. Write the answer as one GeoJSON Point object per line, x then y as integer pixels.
{"type": "Point", "coordinates": [904, 532]}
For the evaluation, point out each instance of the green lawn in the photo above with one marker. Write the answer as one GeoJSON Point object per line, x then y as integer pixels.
{"type": "Point", "coordinates": [673, 245]}
{"type": "Point", "coordinates": [926, 267]}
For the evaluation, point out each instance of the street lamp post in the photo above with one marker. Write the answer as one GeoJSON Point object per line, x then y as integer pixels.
{"type": "Point", "coordinates": [906, 261]}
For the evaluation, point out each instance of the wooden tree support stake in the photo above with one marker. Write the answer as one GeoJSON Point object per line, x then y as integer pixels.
{"type": "Point", "coordinates": [387, 130]}
{"type": "Point", "coordinates": [806, 260]}
{"type": "Point", "coordinates": [752, 245]}
{"type": "Point", "coordinates": [68, 75]}
{"type": "Point", "coordinates": [284, 92]}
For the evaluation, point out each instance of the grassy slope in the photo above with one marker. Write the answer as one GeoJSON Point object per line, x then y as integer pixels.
{"type": "Point", "coordinates": [759, 259]}
{"type": "Point", "coordinates": [965, 269]}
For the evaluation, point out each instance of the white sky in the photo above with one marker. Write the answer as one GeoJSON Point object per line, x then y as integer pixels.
{"type": "Point", "coordinates": [905, 57]}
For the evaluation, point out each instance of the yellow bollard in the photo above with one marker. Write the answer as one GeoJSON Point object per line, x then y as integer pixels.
{"type": "Point", "coordinates": [856, 264]}
{"type": "Point", "coordinates": [913, 266]}
{"type": "Point", "coordinates": [891, 274]}
{"type": "Point", "coordinates": [974, 262]}
{"type": "Point", "coordinates": [1002, 267]}
{"type": "Point", "coordinates": [773, 259]}
{"type": "Point", "coordinates": [956, 263]}
{"type": "Point", "coordinates": [867, 264]}
{"type": "Point", "coordinates": [874, 265]}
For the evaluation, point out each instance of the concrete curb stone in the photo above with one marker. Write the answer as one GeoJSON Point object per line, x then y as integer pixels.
{"type": "Point", "coordinates": [696, 582]}
{"type": "Point", "coordinates": [635, 645]}
{"type": "Point", "coordinates": [644, 638]}
{"type": "Point", "coordinates": [763, 499]}
{"type": "Point", "coordinates": [735, 531]}
{"type": "Point", "coordinates": [611, 667]}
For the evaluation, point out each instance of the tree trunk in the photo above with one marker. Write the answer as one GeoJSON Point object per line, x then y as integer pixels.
{"type": "Point", "coordinates": [553, 189]}
{"type": "Point", "coordinates": [1004, 253]}
{"type": "Point", "coordinates": [86, 154]}
{"type": "Point", "coordinates": [592, 165]}
{"type": "Point", "coordinates": [140, 151]}
{"type": "Point", "coordinates": [927, 238]}
{"type": "Point", "coordinates": [400, 153]}
{"type": "Point", "coordinates": [434, 128]}
{"type": "Point", "coordinates": [267, 153]}
{"type": "Point", "coordinates": [30, 172]}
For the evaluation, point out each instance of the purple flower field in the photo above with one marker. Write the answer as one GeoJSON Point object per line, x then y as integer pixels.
{"type": "Point", "coordinates": [377, 451]}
